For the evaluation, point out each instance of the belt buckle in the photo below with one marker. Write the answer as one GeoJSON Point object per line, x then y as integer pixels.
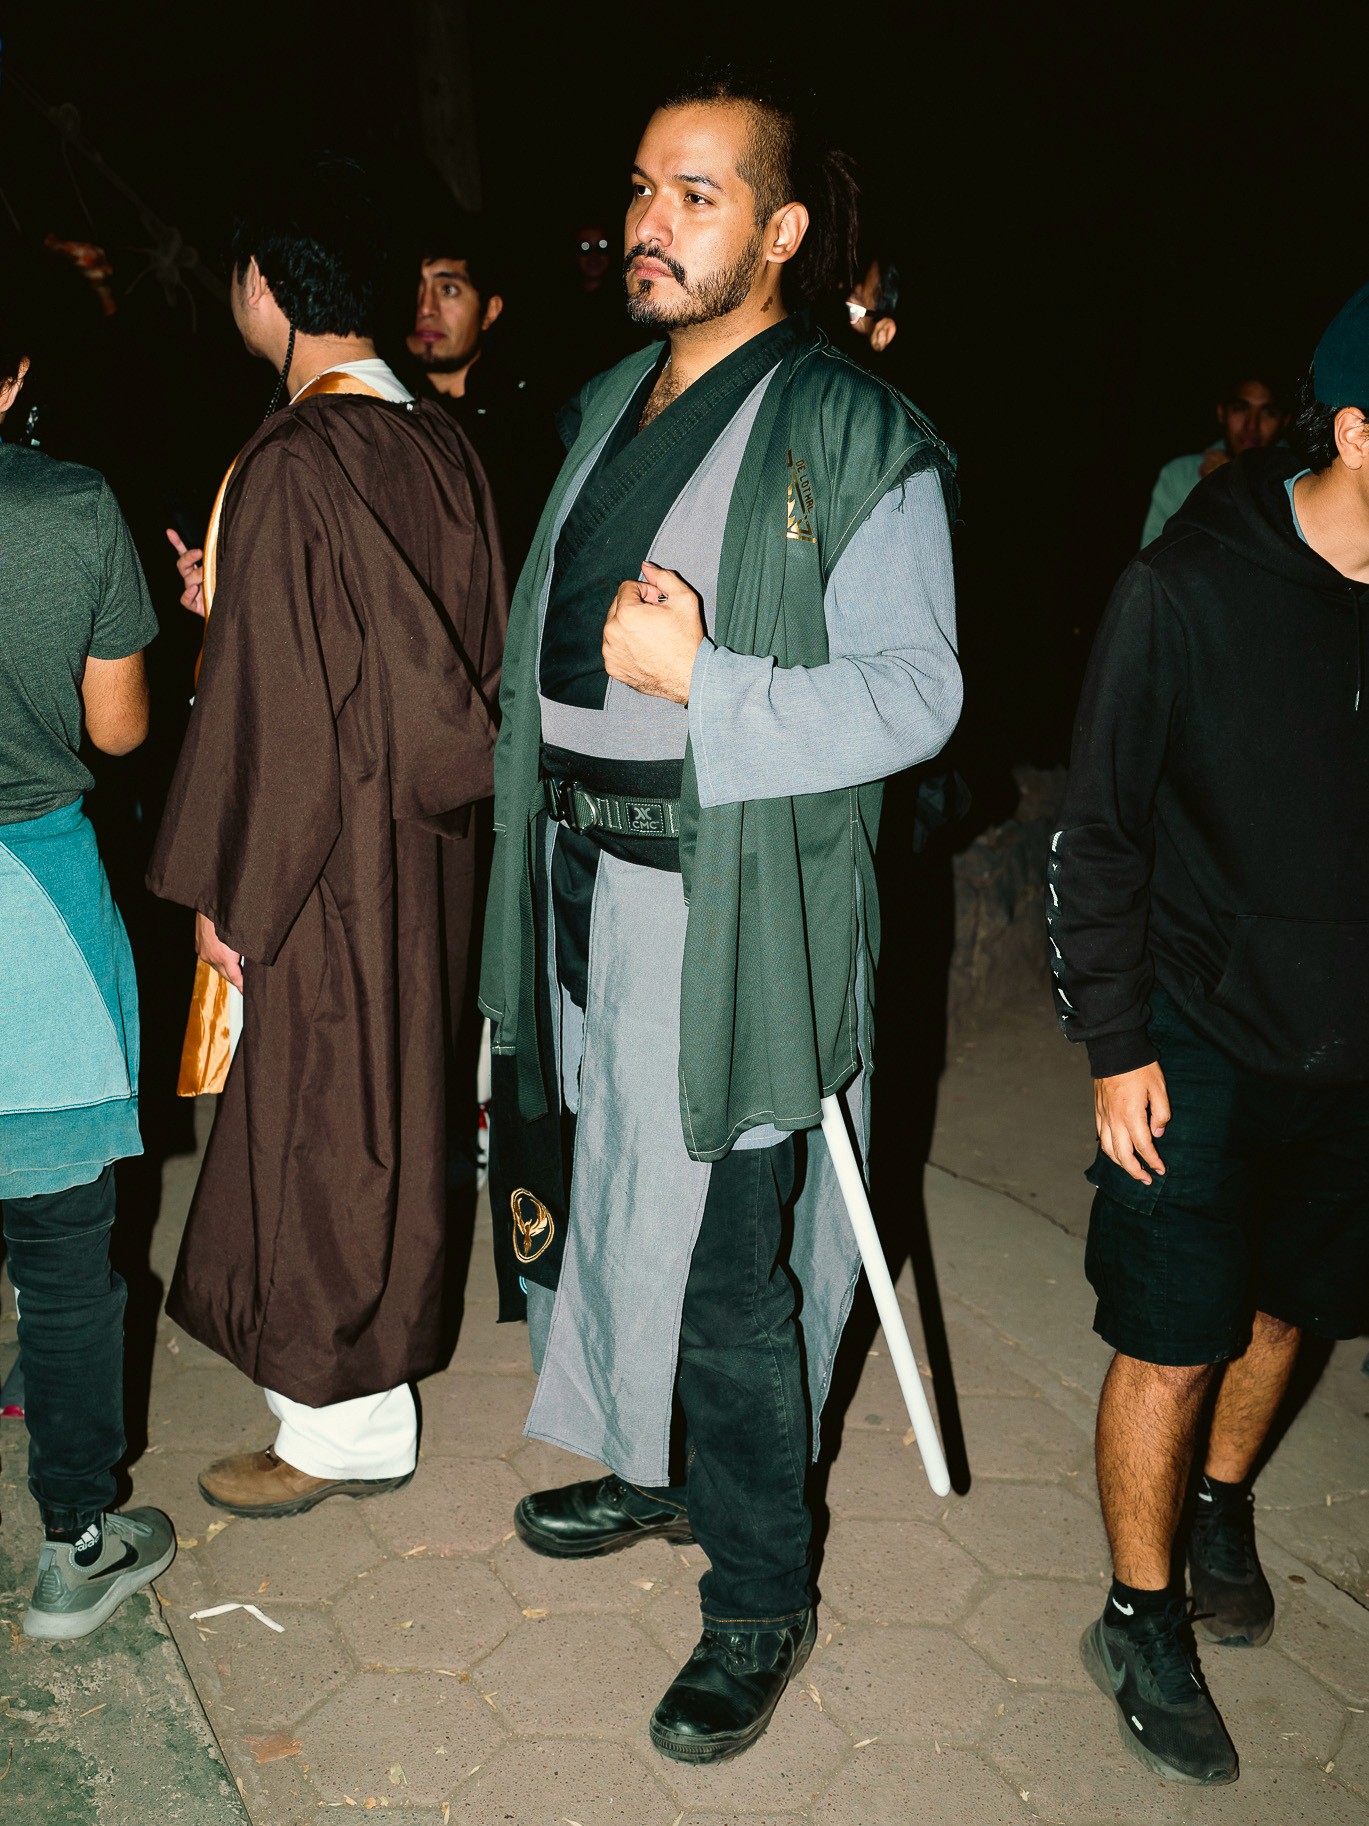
{"type": "Point", "coordinates": [558, 799]}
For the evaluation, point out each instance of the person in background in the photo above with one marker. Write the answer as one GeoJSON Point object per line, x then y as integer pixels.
{"type": "Point", "coordinates": [587, 330]}
{"type": "Point", "coordinates": [74, 620]}
{"type": "Point", "coordinates": [1206, 912]}
{"type": "Point", "coordinates": [460, 353]}
{"type": "Point", "coordinates": [593, 256]}
{"type": "Point", "coordinates": [1251, 415]}
{"type": "Point", "coordinates": [872, 304]}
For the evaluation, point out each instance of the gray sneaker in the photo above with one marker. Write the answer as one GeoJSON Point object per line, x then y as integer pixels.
{"type": "Point", "coordinates": [71, 1600]}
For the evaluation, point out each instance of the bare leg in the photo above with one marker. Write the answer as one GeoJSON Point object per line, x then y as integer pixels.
{"type": "Point", "coordinates": [1148, 1418]}
{"type": "Point", "coordinates": [1251, 1390]}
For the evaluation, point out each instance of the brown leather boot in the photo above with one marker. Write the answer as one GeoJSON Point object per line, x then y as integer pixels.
{"type": "Point", "coordinates": [260, 1484]}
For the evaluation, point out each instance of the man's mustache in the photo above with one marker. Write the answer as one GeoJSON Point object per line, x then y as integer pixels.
{"type": "Point", "coordinates": [643, 252]}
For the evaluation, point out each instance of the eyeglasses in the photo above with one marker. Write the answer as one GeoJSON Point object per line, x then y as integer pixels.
{"type": "Point", "coordinates": [856, 311]}
{"type": "Point", "coordinates": [594, 247]}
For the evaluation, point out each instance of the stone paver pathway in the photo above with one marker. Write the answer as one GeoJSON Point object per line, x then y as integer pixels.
{"type": "Point", "coordinates": [430, 1667]}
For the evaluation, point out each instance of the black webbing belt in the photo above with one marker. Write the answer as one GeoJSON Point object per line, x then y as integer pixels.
{"type": "Point", "coordinates": [574, 805]}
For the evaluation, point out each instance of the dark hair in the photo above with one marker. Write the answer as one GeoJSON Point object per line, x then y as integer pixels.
{"type": "Point", "coordinates": [788, 160]}
{"type": "Point", "coordinates": [1314, 429]}
{"type": "Point", "coordinates": [1235, 378]}
{"type": "Point", "coordinates": [455, 235]}
{"type": "Point", "coordinates": [887, 302]}
{"type": "Point", "coordinates": [320, 237]}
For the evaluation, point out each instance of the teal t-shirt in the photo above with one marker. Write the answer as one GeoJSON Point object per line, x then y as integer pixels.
{"type": "Point", "coordinates": [1174, 484]}
{"type": "Point", "coordinates": [71, 588]}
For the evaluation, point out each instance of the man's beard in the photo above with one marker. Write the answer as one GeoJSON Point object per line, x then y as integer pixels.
{"type": "Point", "coordinates": [705, 300]}
{"type": "Point", "coordinates": [446, 364]}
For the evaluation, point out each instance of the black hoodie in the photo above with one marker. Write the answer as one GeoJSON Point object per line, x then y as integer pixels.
{"type": "Point", "coordinates": [1215, 832]}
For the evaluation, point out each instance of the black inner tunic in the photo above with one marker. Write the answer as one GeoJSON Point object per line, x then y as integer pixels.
{"type": "Point", "coordinates": [636, 480]}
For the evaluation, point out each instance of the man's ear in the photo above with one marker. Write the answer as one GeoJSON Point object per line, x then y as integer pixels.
{"type": "Point", "coordinates": [788, 226]}
{"type": "Point", "coordinates": [883, 334]}
{"type": "Point", "coordinates": [253, 281]}
{"type": "Point", "coordinates": [494, 304]}
{"type": "Point", "coordinates": [1352, 437]}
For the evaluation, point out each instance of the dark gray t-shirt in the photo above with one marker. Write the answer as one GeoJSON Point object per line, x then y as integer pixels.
{"type": "Point", "coordinates": [71, 588]}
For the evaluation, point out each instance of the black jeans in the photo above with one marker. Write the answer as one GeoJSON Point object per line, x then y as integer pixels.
{"type": "Point", "coordinates": [744, 1403]}
{"type": "Point", "coordinates": [71, 1337]}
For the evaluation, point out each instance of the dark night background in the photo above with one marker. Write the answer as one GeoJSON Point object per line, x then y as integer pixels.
{"type": "Point", "coordinates": [1100, 213]}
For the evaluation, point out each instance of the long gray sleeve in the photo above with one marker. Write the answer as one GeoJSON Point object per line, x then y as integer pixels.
{"type": "Point", "coordinates": [888, 697]}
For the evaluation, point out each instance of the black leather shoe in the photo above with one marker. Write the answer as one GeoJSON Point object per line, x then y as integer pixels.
{"type": "Point", "coordinates": [722, 1698]}
{"type": "Point", "coordinates": [580, 1521]}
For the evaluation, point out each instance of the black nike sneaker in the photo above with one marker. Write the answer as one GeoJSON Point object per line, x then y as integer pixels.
{"type": "Point", "coordinates": [1232, 1602]}
{"type": "Point", "coordinates": [1164, 1710]}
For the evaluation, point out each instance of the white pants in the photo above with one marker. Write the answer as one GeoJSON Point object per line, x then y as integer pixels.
{"type": "Point", "coordinates": [371, 1436]}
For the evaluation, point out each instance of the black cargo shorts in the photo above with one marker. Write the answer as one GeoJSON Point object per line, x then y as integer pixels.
{"type": "Point", "coordinates": [1263, 1207]}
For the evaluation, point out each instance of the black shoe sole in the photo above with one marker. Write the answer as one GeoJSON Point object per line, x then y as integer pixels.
{"type": "Point", "coordinates": [718, 1749]}
{"type": "Point", "coordinates": [300, 1505]}
{"type": "Point", "coordinates": [552, 1549]}
{"type": "Point", "coordinates": [1098, 1674]}
{"type": "Point", "coordinates": [1213, 1630]}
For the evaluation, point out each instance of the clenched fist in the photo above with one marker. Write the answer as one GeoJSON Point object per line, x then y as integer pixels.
{"type": "Point", "coordinates": [653, 633]}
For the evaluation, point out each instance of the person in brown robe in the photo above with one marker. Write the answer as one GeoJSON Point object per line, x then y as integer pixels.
{"type": "Point", "coordinates": [319, 822]}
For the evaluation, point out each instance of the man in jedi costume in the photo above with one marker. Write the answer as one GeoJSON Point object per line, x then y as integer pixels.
{"type": "Point", "coordinates": [318, 823]}
{"type": "Point", "coordinates": [737, 618]}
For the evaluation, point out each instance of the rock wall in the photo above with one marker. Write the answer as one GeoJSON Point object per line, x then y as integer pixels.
{"type": "Point", "coordinates": [1000, 952]}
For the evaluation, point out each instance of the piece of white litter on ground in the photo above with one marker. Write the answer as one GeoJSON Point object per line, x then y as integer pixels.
{"type": "Point", "coordinates": [218, 1610]}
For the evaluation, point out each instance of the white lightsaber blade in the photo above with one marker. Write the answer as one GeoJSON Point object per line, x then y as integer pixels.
{"type": "Point", "coordinates": [852, 1182]}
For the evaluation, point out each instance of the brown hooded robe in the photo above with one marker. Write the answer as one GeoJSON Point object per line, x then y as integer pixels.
{"type": "Point", "coordinates": [320, 816]}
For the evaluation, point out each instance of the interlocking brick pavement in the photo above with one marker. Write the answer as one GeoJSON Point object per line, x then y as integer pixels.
{"type": "Point", "coordinates": [432, 1669]}
{"type": "Point", "coordinates": [430, 1660]}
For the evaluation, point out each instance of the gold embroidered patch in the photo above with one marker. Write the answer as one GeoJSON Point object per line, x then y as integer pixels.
{"type": "Point", "coordinates": [799, 503]}
{"type": "Point", "coordinates": [526, 1229]}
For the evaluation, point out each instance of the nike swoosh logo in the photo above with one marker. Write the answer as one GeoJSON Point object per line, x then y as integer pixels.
{"type": "Point", "coordinates": [129, 1558]}
{"type": "Point", "coordinates": [1127, 1610]}
{"type": "Point", "coordinates": [1115, 1674]}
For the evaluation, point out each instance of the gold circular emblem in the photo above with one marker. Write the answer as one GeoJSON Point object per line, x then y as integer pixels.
{"type": "Point", "coordinates": [527, 1230]}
